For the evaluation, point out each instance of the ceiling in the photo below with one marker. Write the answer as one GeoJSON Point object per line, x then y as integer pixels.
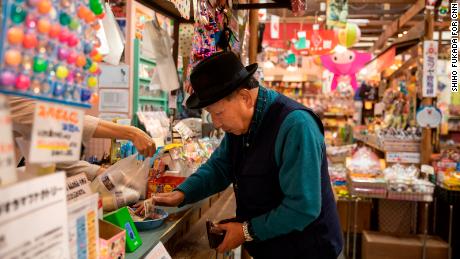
{"type": "Point", "coordinates": [374, 17]}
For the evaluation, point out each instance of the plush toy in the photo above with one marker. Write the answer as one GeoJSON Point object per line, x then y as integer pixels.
{"type": "Point", "coordinates": [346, 63]}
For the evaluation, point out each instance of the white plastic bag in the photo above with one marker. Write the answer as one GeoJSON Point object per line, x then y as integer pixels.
{"type": "Point", "coordinates": [123, 183]}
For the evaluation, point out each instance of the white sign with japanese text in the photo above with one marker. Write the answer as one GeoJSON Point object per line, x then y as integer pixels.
{"type": "Point", "coordinates": [56, 134]}
{"type": "Point", "coordinates": [403, 157]}
{"type": "Point", "coordinates": [84, 227]}
{"type": "Point", "coordinates": [275, 27]}
{"type": "Point", "coordinates": [33, 219]}
{"type": "Point", "coordinates": [430, 59]}
{"type": "Point", "coordinates": [78, 187]}
{"type": "Point", "coordinates": [7, 161]}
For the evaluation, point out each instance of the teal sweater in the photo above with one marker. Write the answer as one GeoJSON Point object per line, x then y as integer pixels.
{"type": "Point", "coordinates": [298, 153]}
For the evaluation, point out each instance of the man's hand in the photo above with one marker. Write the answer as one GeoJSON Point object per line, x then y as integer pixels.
{"type": "Point", "coordinates": [169, 199]}
{"type": "Point", "coordinates": [143, 142]}
{"type": "Point", "coordinates": [233, 238]}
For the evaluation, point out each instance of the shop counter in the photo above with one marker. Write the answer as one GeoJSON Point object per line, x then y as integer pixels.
{"type": "Point", "coordinates": [163, 233]}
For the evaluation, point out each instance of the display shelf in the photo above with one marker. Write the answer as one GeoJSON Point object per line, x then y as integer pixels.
{"type": "Point", "coordinates": [148, 61]}
{"type": "Point", "coordinates": [398, 152]}
{"type": "Point", "coordinates": [149, 98]}
{"type": "Point", "coordinates": [145, 80]}
{"type": "Point", "coordinates": [334, 114]}
{"type": "Point", "coordinates": [139, 81]}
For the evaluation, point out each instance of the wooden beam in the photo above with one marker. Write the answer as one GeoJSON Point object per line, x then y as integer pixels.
{"type": "Point", "coordinates": [399, 2]}
{"type": "Point", "coordinates": [253, 33]}
{"type": "Point", "coordinates": [426, 144]}
{"type": "Point", "coordinates": [394, 27]}
{"type": "Point", "coordinates": [261, 6]}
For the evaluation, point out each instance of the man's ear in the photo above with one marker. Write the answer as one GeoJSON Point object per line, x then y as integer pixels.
{"type": "Point", "coordinates": [246, 97]}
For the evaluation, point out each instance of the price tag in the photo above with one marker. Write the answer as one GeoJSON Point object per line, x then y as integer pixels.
{"type": "Point", "coordinates": [56, 134]}
{"type": "Point", "coordinates": [7, 161]}
{"type": "Point", "coordinates": [403, 157]}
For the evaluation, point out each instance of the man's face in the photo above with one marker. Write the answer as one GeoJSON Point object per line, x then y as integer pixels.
{"type": "Point", "coordinates": [232, 115]}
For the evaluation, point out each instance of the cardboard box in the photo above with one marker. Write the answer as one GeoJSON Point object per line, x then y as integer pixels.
{"type": "Point", "coordinates": [111, 241]}
{"type": "Point", "coordinates": [377, 245]}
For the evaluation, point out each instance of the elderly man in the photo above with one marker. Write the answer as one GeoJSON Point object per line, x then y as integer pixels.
{"type": "Point", "coordinates": [274, 155]}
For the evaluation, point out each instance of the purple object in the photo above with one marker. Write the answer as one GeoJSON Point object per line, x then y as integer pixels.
{"type": "Point", "coordinates": [7, 78]}
{"type": "Point", "coordinates": [85, 94]}
{"type": "Point", "coordinates": [63, 53]}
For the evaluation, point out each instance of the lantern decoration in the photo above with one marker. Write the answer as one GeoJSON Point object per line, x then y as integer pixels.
{"type": "Point", "coordinates": [349, 35]}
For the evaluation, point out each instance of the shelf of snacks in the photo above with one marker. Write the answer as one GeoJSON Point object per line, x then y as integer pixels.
{"type": "Point", "coordinates": [338, 175]}
{"type": "Point", "coordinates": [404, 184]}
{"type": "Point", "coordinates": [447, 169]}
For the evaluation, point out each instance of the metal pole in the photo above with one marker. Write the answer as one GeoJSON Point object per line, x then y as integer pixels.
{"type": "Point", "coordinates": [435, 204]}
{"type": "Point", "coordinates": [425, 232]}
{"type": "Point", "coordinates": [355, 227]}
{"type": "Point", "coordinates": [451, 213]}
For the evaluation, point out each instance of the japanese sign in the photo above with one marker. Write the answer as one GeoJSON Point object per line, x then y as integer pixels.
{"type": "Point", "coordinates": [7, 161]}
{"type": "Point", "coordinates": [430, 58]}
{"type": "Point", "coordinates": [56, 134]}
{"type": "Point", "coordinates": [78, 187]}
{"type": "Point", "coordinates": [33, 219]}
{"type": "Point", "coordinates": [320, 42]}
{"type": "Point", "coordinates": [275, 27]}
{"type": "Point", "coordinates": [84, 228]}
{"type": "Point", "coordinates": [403, 157]}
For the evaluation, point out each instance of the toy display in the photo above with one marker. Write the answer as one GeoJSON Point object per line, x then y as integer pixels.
{"type": "Point", "coordinates": [50, 50]}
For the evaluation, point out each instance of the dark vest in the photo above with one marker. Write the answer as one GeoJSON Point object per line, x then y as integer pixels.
{"type": "Point", "coordinates": [257, 190]}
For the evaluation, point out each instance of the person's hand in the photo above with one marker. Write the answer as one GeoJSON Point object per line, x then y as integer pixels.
{"type": "Point", "coordinates": [188, 87]}
{"type": "Point", "coordinates": [143, 142]}
{"type": "Point", "coordinates": [169, 199]}
{"type": "Point", "coordinates": [233, 238]}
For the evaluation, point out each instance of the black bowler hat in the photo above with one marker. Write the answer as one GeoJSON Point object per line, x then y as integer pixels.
{"type": "Point", "coordinates": [216, 77]}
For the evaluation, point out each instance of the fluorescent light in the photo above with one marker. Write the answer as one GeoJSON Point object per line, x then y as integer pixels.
{"type": "Point", "coordinates": [400, 35]}
{"type": "Point", "coordinates": [358, 21]}
{"type": "Point", "coordinates": [404, 32]}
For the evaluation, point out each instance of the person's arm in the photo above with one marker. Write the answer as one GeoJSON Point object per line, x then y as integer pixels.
{"type": "Point", "coordinates": [141, 140]}
{"type": "Point", "coordinates": [212, 177]}
{"type": "Point", "coordinates": [298, 151]}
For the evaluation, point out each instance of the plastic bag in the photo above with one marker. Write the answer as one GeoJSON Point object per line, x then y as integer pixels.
{"type": "Point", "coordinates": [123, 183]}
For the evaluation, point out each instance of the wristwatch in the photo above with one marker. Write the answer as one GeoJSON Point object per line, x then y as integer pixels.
{"type": "Point", "coordinates": [247, 235]}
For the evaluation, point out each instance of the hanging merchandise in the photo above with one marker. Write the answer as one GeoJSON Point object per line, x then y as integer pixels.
{"type": "Point", "coordinates": [185, 39]}
{"type": "Point", "coordinates": [301, 43]}
{"type": "Point", "coordinates": [298, 7]}
{"type": "Point", "coordinates": [429, 4]}
{"type": "Point", "coordinates": [346, 63]}
{"type": "Point", "coordinates": [429, 116]}
{"type": "Point", "coordinates": [162, 44]}
{"type": "Point", "coordinates": [214, 31]}
{"type": "Point", "coordinates": [337, 13]}
{"type": "Point", "coordinates": [275, 27]}
{"type": "Point", "coordinates": [290, 59]}
{"type": "Point", "coordinates": [115, 42]}
{"type": "Point", "coordinates": [50, 49]}
{"type": "Point", "coordinates": [349, 35]}
{"type": "Point", "coordinates": [443, 9]}
{"type": "Point", "coordinates": [183, 6]}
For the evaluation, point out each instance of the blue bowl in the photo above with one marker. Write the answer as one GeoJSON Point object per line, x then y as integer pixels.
{"type": "Point", "coordinates": [152, 223]}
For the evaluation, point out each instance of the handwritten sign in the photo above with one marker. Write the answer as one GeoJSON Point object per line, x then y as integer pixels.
{"type": "Point", "coordinates": [33, 219]}
{"type": "Point", "coordinates": [83, 227]}
{"type": "Point", "coordinates": [430, 59]}
{"type": "Point", "coordinates": [7, 161]}
{"type": "Point", "coordinates": [56, 134]}
{"type": "Point", "coordinates": [78, 186]}
{"type": "Point", "coordinates": [403, 157]}
{"type": "Point", "coordinates": [158, 252]}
